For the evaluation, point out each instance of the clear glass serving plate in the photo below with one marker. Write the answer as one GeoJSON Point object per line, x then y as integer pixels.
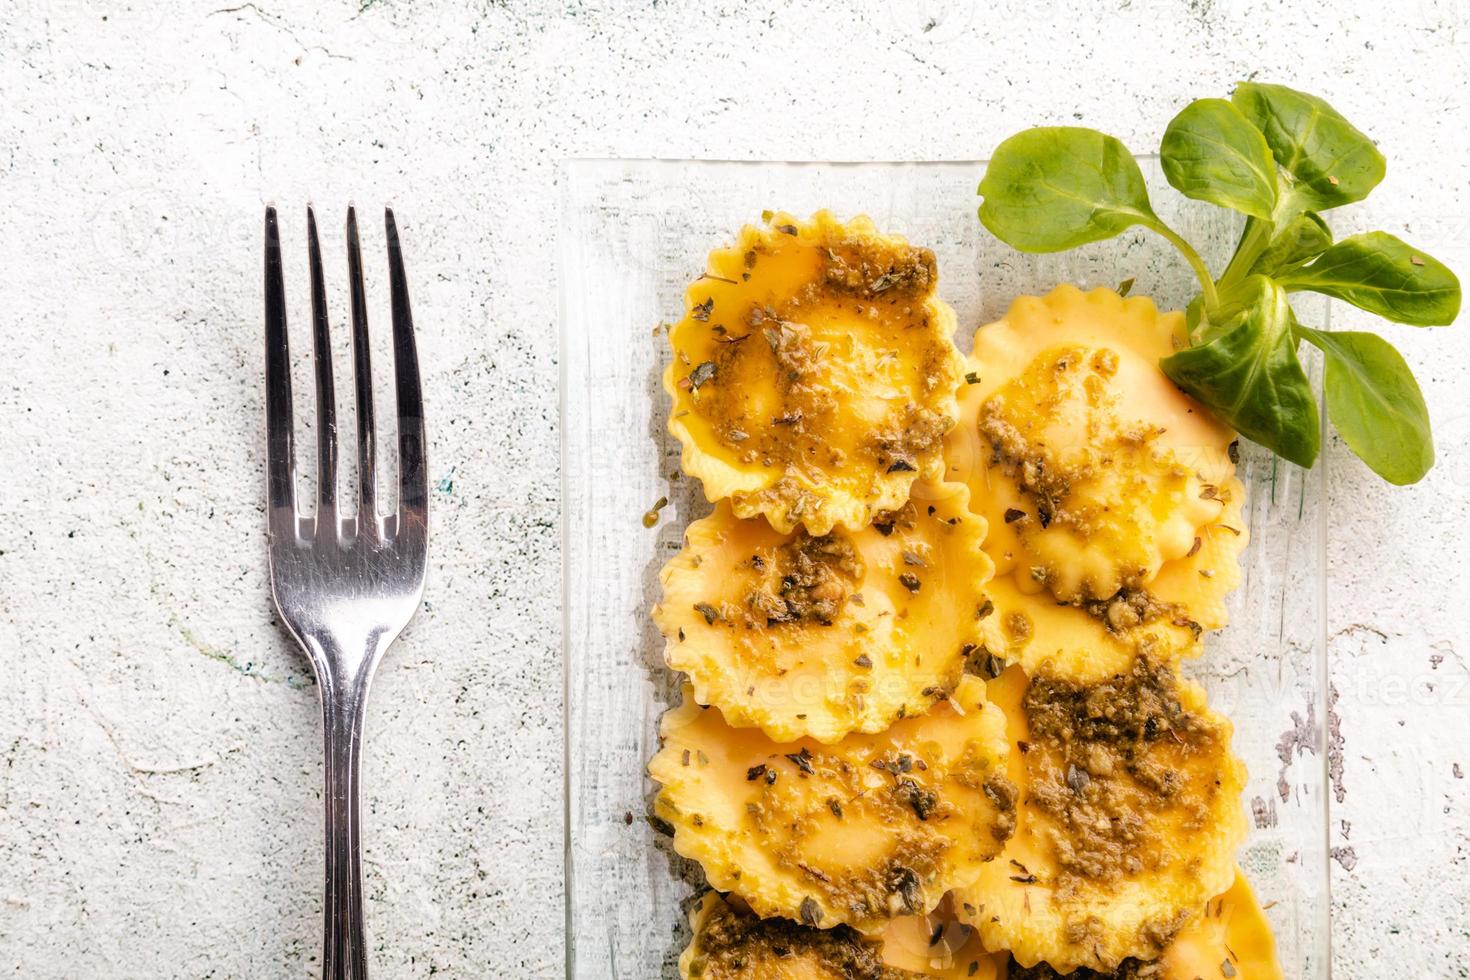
{"type": "Point", "coordinates": [634, 233]}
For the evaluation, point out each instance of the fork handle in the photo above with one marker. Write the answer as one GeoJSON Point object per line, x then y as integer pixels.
{"type": "Point", "coordinates": [344, 954]}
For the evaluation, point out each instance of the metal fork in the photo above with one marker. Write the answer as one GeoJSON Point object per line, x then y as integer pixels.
{"type": "Point", "coordinates": [347, 579]}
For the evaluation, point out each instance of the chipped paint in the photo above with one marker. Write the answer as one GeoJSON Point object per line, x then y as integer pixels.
{"type": "Point", "coordinates": [1301, 738]}
{"type": "Point", "coordinates": [1335, 743]}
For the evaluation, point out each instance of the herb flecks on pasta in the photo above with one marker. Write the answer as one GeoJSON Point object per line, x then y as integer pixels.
{"type": "Point", "coordinates": [814, 372]}
{"type": "Point", "coordinates": [731, 943]}
{"type": "Point", "coordinates": [871, 828]}
{"type": "Point", "coordinates": [1113, 512]}
{"type": "Point", "coordinates": [1128, 820]}
{"type": "Point", "coordinates": [934, 725]}
{"type": "Point", "coordinates": [819, 636]}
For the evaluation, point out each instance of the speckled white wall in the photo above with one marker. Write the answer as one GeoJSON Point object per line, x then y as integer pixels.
{"type": "Point", "coordinates": [158, 735]}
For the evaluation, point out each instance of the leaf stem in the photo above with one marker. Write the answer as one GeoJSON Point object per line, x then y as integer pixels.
{"type": "Point", "coordinates": [1253, 241]}
{"type": "Point", "coordinates": [1201, 271]}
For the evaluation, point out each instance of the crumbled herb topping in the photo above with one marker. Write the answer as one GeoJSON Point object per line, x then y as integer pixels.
{"type": "Point", "coordinates": [801, 760]}
{"type": "Point", "coordinates": [807, 580]}
{"type": "Point", "coordinates": [1113, 751]}
{"type": "Point", "coordinates": [737, 945]}
{"type": "Point", "coordinates": [912, 805]}
{"type": "Point", "coordinates": [982, 663]}
{"type": "Point", "coordinates": [919, 432]}
{"type": "Point", "coordinates": [881, 284]}
{"type": "Point", "coordinates": [1046, 485]}
{"type": "Point", "coordinates": [701, 374]}
{"type": "Point", "coordinates": [1128, 608]}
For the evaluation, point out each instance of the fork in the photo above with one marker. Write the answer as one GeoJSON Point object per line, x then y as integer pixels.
{"type": "Point", "coordinates": [345, 580]}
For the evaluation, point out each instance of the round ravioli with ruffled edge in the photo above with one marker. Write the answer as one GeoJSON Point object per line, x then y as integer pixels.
{"type": "Point", "coordinates": [858, 832]}
{"type": "Point", "coordinates": [814, 373]}
{"type": "Point", "coordinates": [1104, 467]}
{"type": "Point", "coordinates": [1106, 488]}
{"type": "Point", "coordinates": [1128, 818]}
{"type": "Point", "coordinates": [731, 943]}
{"type": "Point", "coordinates": [1163, 619]}
{"type": "Point", "coordinates": [1229, 940]}
{"type": "Point", "coordinates": [819, 636]}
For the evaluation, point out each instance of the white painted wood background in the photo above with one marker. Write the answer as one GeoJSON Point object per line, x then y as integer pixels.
{"type": "Point", "coordinates": [158, 736]}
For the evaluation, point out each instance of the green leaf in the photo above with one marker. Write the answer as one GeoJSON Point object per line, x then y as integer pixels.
{"type": "Point", "coordinates": [1211, 152]}
{"type": "Point", "coordinates": [1306, 237]}
{"type": "Point", "coordinates": [1054, 188]}
{"type": "Point", "coordinates": [1246, 369]}
{"type": "Point", "coordinates": [1375, 403]}
{"type": "Point", "coordinates": [1384, 275]}
{"type": "Point", "coordinates": [1326, 159]}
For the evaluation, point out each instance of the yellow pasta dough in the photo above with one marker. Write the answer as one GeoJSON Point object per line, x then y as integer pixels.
{"type": "Point", "coordinates": [1229, 939]}
{"type": "Point", "coordinates": [1231, 930]}
{"type": "Point", "coordinates": [940, 947]}
{"type": "Point", "coordinates": [1090, 640]}
{"type": "Point", "coordinates": [814, 373]}
{"type": "Point", "coordinates": [1072, 424]}
{"type": "Point", "coordinates": [820, 636]}
{"type": "Point", "coordinates": [1128, 819]}
{"type": "Point", "coordinates": [1114, 516]}
{"type": "Point", "coordinates": [1065, 525]}
{"type": "Point", "coordinates": [730, 943]}
{"type": "Point", "coordinates": [859, 832]}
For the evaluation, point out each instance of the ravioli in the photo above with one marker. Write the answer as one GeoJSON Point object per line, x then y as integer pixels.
{"type": "Point", "coordinates": [814, 373]}
{"type": "Point", "coordinates": [868, 829]}
{"type": "Point", "coordinates": [819, 636]}
{"type": "Point", "coordinates": [1128, 819]}
{"type": "Point", "coordinates": [1109, 493]}
{"type": "Point", "coordinates": [730, 943]}
{"type": "Point", "coordinates": [1105, 466]}
{"type": "Point", "coordinates": [1229, 940]}
{"type": "Point", "coordinates": [885, 540]}
{"type": "Point", "coordinates": [1087, 641]}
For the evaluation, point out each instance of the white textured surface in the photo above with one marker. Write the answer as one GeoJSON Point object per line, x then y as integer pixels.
{"type": "Point", "coordinates": [158, 736]}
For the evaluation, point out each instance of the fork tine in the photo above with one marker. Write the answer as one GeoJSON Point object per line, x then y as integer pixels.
{"type": "Point", "coordinates": [362, 376]}
{"type": "Point", "coordinates": [280, 445]}
{"type": "Point", "coordinates": [413, 477]}
{"type": "Point", "coordinates": [326, 399]}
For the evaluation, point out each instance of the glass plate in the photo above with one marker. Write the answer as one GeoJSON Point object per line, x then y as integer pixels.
{"type": "Point", "coordinates": [634, 233]}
